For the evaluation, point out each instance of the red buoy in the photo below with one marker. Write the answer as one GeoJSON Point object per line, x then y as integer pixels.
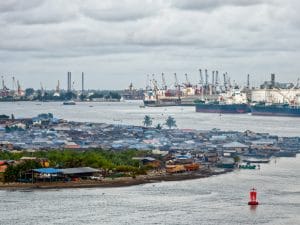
{"type": "Point", "coordinates": [253, 195]}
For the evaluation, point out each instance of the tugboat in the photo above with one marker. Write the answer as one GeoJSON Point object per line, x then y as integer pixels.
{"type": "Point", "coordinates": [253, 200]}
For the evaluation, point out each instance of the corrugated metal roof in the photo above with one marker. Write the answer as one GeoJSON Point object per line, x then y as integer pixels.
{"type": "Point", "coordinates": [235, 145]}
{"type": "Point", "coordinates": [79, 170]}
{"type": "Point", "coordinates": [47, 170]}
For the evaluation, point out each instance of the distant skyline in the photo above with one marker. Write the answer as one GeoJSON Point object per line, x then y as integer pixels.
{"type": "Point", "coordinates": [118, 42]}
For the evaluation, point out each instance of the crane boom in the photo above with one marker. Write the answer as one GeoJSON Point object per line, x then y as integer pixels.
{"type": "Point", "coordinates": [163, 82]}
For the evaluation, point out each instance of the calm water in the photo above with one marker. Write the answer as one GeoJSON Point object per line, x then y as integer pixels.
{"type": "Point", "coordinates": [131, 113]}
{"type": "Point", "coordinates": [214, 200]}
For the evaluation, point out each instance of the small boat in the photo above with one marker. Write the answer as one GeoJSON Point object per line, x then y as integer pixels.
{"type": "Point", "coordinates": [285, 154]}
{"type": "Point", "coordinates": [69, 103]}
{"type": "Point", "coordinates": [247, 166]}
{"type": "Point", "coordinates": [256, 160]}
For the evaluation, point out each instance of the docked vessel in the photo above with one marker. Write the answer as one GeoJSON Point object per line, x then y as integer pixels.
{"type": "Point", "coordinates": [230, 102]}
{"type": "Point", "coordinates": [69, 103]}
{"type": "Point", "coordinates": [160, 98]}
{"type": "Point", "coordinates": [275, 110]}
{"type": "Point", "coordinates": [253, 160]}
{"type": "Point", "coordinates": [276, 99]}
{"type": "Point", "coordinates": [185, 94]}
{"type": "Point", "coordinates": [217, 107]}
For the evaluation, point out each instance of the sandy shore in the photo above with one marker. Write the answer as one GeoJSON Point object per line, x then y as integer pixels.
{"type": "Point", "coordinates": [108, 182]}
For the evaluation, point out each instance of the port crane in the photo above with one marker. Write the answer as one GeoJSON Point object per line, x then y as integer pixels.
{"type": "Point", "coordinates": [57, 90]}
{"type": "Point", "coordinates": [177, 86]}
{"type": "Point", "coordinates": [217, 78]}
{"type": "Point", "coordinates": [164, 85]}
{"type": "Point", "coordinates": [206, 78]}
{"type": "Point", "coordinates": [20, 91]}
{"type": "Point", "coordinates": [187, 81]}
{"type": "Point", "coordinates": [42, 90]}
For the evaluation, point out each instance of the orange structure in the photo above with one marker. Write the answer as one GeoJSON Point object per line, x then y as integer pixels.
{"type": "Point", "coordinates": [192, 166]}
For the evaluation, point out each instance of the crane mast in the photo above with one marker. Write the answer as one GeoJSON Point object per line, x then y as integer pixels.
{"type": "Point", "coordinates": [201, 78]}
{"type": "Point", "coordinates": [163, 82]}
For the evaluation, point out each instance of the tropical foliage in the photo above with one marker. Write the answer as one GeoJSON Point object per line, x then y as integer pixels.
{"type": "Point", "coordinates": [120, 161]}
{"type": "Point", "coordinates": [171, 122]}
{"type": "Point", "coordinates": [147, 121]}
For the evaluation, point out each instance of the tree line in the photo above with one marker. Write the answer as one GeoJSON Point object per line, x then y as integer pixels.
{"type": "Point", "coordinates": [118, 161]}
{"type": "Point", "coordinates": [170, 122]}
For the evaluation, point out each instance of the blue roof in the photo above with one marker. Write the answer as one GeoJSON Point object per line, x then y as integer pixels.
{"type": "Point", "coordinates": [47, 170]}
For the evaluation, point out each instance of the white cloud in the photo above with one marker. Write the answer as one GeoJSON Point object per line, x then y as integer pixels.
{"type": "Point", "coordinates": [130, 38]}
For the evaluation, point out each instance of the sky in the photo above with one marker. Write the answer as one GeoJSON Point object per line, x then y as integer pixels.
{"type": "Point", "coordinates": [115, 42]}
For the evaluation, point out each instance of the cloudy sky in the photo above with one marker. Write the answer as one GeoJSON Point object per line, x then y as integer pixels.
{"type": "Point", "coordinates": [118, 41]}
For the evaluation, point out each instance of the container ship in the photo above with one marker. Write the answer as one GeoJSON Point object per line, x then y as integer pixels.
{"type": "Point", "coordinates": [217, 107]}
{"type": "Point", "coordinates": [233, 102]}
{"type": "Point", "coordinates": [161, 98]}
{"type": "Point", "coordinates": [276, 99]}
{"type": "Point", "coordinates": [276, 110]}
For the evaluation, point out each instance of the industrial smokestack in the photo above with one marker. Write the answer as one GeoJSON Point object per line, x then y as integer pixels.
{"type": "Point", "coordinates": [206, 77]}
{"type": "Point", "coordinates": [248, 81]}
{"type": "Point", "coordinates": [272, 80]}
{"type": "Point", "coordinates": [68, 81]}
{"type": "Point", "coordinates": [82, 82]}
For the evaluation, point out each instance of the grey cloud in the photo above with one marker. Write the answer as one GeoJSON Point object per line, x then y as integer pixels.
{"type": "Point", "coordinates": [149, 35]}
{"type": "Point", "coordinates": [119, 11]}
{"type": "Point", "coordinates": [213, 4]}
{"type": "Point", "coordinates": [43, 13]}
{"type": "Point", "coordinates": [18, 5]}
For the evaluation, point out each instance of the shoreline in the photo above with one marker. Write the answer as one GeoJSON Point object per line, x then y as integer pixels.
{"type": "Point", "coordinates": [110, 183]}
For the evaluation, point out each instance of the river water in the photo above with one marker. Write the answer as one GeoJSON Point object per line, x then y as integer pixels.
{"type": "Point", "coordinates": [211, 201]}
{"type": "Point", "coordinates": [131, 113]}
{"type": "Point", "coordinates": [215, 200]}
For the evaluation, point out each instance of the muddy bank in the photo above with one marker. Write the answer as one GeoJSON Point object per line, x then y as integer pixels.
{"type": "Point", "coordinates": [108, 182]}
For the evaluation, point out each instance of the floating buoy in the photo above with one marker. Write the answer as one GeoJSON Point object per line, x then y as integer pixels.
{"type": "Point", "coordinates": [253, 195]}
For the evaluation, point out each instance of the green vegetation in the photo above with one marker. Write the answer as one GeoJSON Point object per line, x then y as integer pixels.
{"type": "Point", "coordinates": [120, 161]}
{"type": "Point", "coordinates": [147, 121]}
{"type": "Point", "coordinates": [158, 126]}
{"type": "Point", "coordinates": [4, 116]}
{"type": "Point", "coordinates": [171, 122]}
{"type": "Point", "coordinates": [15, 172]}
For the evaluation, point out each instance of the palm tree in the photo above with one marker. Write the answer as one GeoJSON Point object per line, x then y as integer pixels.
{"type": "Point", "coordinates": [158, 126]}
{"type": "Point", "coordinates": [171, 122]}
{"type": "Point", "coordinates": [147, 121]}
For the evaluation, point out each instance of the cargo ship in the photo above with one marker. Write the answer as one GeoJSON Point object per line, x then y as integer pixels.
{"type": "Point", "coordinates": [159, 98]}
{"type": "Point", "coordinates": [217, 107]}
{"type": "Point", "coordinates": [185, 94]}
{"type": "Point", "coordinates": [233, 102]}
{"type": "Point", "coordinates": [264, 109]}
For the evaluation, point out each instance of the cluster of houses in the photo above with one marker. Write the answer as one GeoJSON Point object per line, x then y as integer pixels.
{"type": "Point", "coordinates": [45, 132]}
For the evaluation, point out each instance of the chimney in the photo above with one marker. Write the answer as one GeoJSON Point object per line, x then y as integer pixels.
{"type": "Point", "coordinates": [82, 82]}
{"type": "Point", "coordinates": [272, 80]}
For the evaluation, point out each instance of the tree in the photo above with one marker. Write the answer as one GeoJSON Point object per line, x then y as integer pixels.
{"type": "Point", "coordinates": [158, 126]}
{"type": "Point", "coordinates": [3, 116]}
{"type": "Point", "coordinates": [147, 121]}
{"type": "Point", "coordinates": [171, 122]}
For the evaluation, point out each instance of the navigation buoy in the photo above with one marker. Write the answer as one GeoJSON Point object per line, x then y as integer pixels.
{"type": "Point", "coordinates": [253, 195]}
